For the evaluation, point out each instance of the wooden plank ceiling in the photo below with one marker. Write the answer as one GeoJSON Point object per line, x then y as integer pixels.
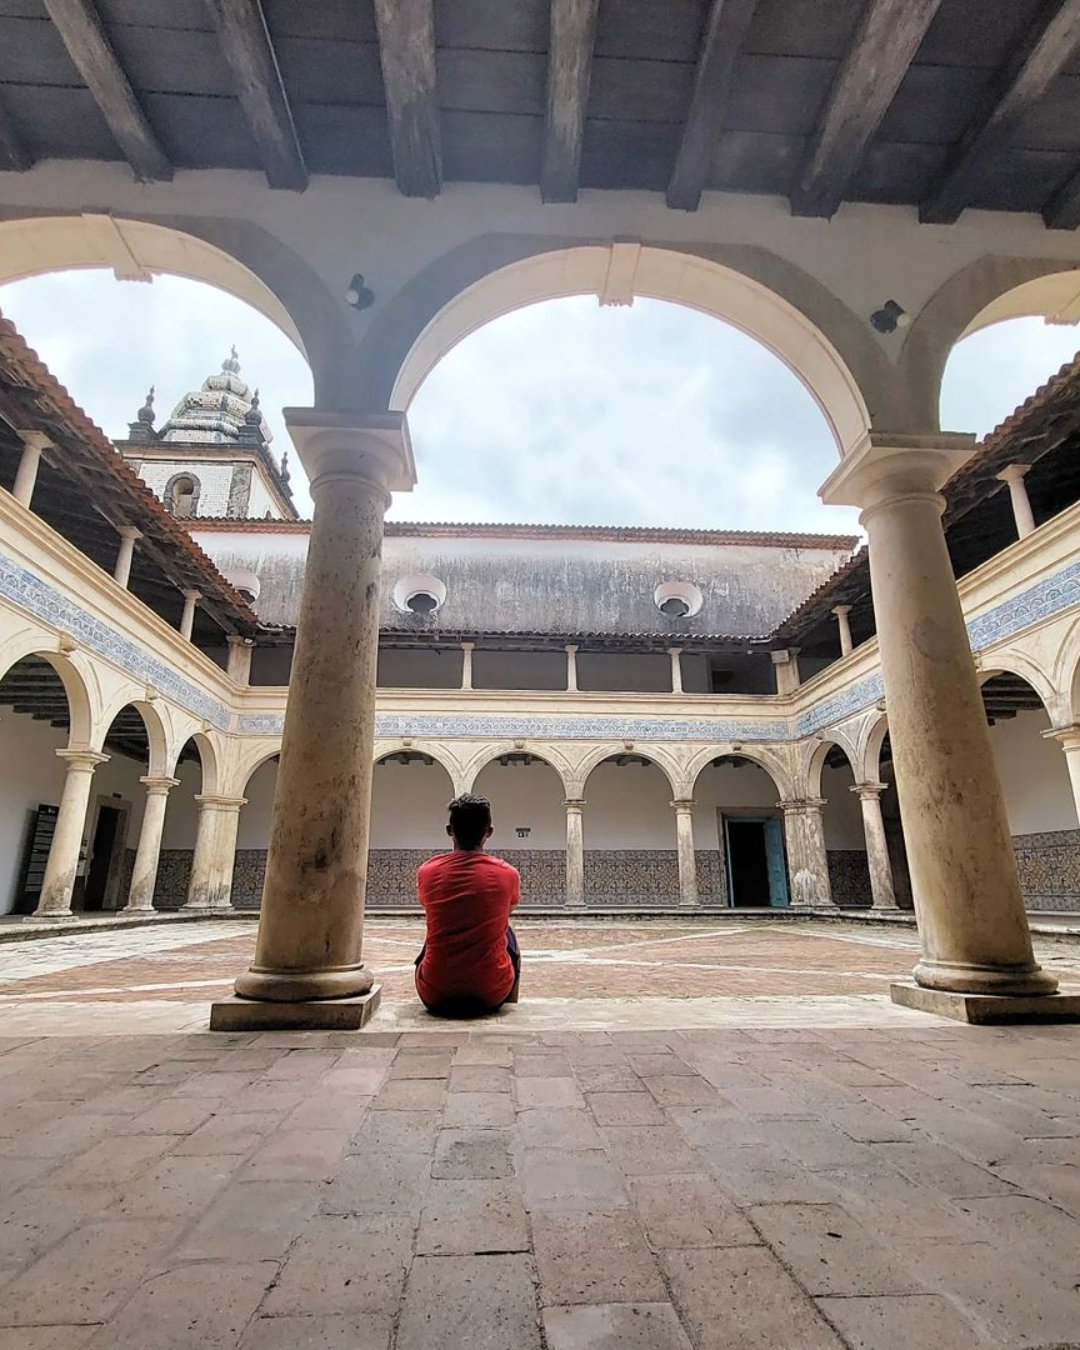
{"type": "Point", "coordinates": [937, 104]}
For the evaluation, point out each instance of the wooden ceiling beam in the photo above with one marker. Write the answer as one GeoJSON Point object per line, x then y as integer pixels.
{"type": "Point", "coordinates": [724, 31]}
{"type": "Point", "coordinates": [14, 155]}
{"type": "Point", "coordinates": [1062, 211]}
{"type": "Point", "coordinates": [1040, 59]}
{"type": "Point", "coordinates": [407, 53]}
{"type": "Point", "coordinates": [881, 51]}
{"type": "Point", "coordinates": [570, 51]}
{"type": "Point", "coordinates": [88, 45]}
{"type": "Point", "coordinates": [246, 46]}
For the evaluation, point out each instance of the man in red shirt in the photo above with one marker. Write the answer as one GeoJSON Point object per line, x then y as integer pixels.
{"type": "Point", "coordinates": [470, 962]}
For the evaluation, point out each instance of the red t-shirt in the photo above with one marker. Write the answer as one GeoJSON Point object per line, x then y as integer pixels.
{"type": "Point", "coordinates": [467, 897]}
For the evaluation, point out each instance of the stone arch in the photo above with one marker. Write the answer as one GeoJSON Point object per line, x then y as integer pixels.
{"type": "Point", "coordinates": [441, 754]}
{"type": "Point", "coordinates": [757, 292]}
{"type": "Point", "coordinates": [654, 754]}
{"type": "Point", "coordinates": [473, 768]}
{"type": "Point", "coordinates": [75, 673]}
{"type": "Point", "coordinates": [209, 761]}
{"type": "Point", "coordinates": [1066, 678]}
{"type": "Point", "coordinates": [867, 763]}
{"type": "Point", "coordinates": [1026, 669]}
{"type": "Point", "coordinates": [991, 290]}
{"type": "Point", "coordinates": [812, 757]}
{"type": "Point", "coordinates": [765, 757]}
{"type": "Point", "coordinates": [157, 733]}
{"type": "Point", "coordinates": [252, 758]}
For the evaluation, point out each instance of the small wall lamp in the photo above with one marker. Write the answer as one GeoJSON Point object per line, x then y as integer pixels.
{"type": "Point", "coordinates": [890, 317]}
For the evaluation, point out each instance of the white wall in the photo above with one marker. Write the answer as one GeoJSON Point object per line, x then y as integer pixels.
{"type": "Point", "coordinates": [215, 480]}
{"type": "Point", "coordinates": [628, 807]}
{"type": "Point", "coordinates": [1034, 777]}
{"type": "Point", "coordinates": [408, 805]}
{"type": "Point", "coordinates": [841, 816]}
{"type": "Point", "coordinates": [255, 817]}
{"type": "Point", "coordinates": [525, 794]}
{"type": "Point", "coordinates": [182, 812]}
{"type": "Point", "coordinates": [31, 776]}
{"type": "Point", "coordinates": [748, 787]}
{"type": "Point", "coordinates": [260, 501]}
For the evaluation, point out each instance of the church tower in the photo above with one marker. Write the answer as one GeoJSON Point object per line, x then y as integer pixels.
{"type": "Point", "coordinates": [212, 458]}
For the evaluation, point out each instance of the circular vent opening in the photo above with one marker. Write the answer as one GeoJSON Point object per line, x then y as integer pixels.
{"type": "Point", "coordinates": [678, 599]}
{"type": "Point", "coordinates": [420, 594]}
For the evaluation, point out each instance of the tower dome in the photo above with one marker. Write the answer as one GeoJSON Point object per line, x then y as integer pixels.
{"type": "Point", "coordinates": [219, 412]}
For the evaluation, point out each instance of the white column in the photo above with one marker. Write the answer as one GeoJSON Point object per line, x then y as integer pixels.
{"type": "Point", "coordinates": [877, 847]}
{"type": "Point", "coordinates": [1069, 740]}
{"type": "Point", "coordinates": [684, 844]}
{"type": "Point", "coordinates": [841, 613]}
{"type": "Point", "coordinates": [62, 868]}
{"type": "Point", "coordinates": [1021, 502]}
{"type": "Point", "coordinates": [575, 854]}
{"type": "Point", "coordinates": [571, 669]}
{"type": "Point", "coordinates": [187, 620]}
{"type": "Point", "coordinates": [467, 649]}
{"type": "Point", "coordinates": [808, 862]}
{"type": "Point", "coordinates": [786, 666]}
{"type": "Point", "coordinates": [210, 886]}
{"type": "Point", "coordinates": [144, 874]}
{"type": "Point", "coordinates": [309, 947]}
{"type": "Point", "coordinates": [34, 442]}
{"type": "Point", "coordinates": [969, 905]}
{"type": "Point", "coordinates": [238, 666]}
{"type": "Point", "coordinates": [129, 536]}
{"type": "Point", "coordinates": [676, 669]}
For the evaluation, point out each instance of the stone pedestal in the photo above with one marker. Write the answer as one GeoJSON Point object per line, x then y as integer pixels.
{"type": "Point", "coordinates": [989, 1009]}
{"type": "Point", "coordinates": [877, 847]}
{"type": "Point", "coordinates": [687, 858]}
{"type": "Point", "coordinates": [58, 883]}
{"type": "Point", "coordinates": [312, 915]}
{"type": "Point", "coordinates": [969, 906]}
{"type": "Point", "coordinates": [325, 1014]}
{"type": "Point", "coordinates": [144, 873]}
{"type": "Point", "coordinates": [575, 854]}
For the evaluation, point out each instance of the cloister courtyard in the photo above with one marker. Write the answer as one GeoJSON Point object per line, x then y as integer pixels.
{"type": "Point", "coordinates": [690, 1133]}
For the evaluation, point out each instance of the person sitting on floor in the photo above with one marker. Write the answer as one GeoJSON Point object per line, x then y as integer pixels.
{"type": "Point", "coordinates": [470, 962]}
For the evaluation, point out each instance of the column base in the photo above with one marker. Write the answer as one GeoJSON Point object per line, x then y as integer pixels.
{"type": "Point", "coordinates": [989, 1009]}
{"type": "Point", "coordinates": [955, 977]}
{"type": "Point", "coordinates": [324, 1014]}
{"type": "Point", "coordinates": [302, 986]}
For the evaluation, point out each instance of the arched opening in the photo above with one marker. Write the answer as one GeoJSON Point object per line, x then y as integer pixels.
{"type": "Point", "coordinates": [410, 792]}
{"type": "Point", "coordinates": [40, 697]}
{"type": "Point", "coordinates": [182, 495]}
{"type": "Point", "coordinates": [845, 835]}
{"type": "Point", "coordinates": [253, 835]}
{"type": "Point", "coordinates": [739, 835]}
{"type": "Point", "coordinates": [880, 768]}
{"type": "Point", "coordinates": [527, 796]}
{"type": "Point", "coordinates": [195, 772]}
{"type": "Point", "coordinates": [1038, 793]}
{"type": "Point", "coordinates": [629, 831]}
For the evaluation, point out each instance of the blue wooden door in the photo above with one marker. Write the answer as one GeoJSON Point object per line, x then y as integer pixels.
{"type": "Point", "coordinates": [774, 852]}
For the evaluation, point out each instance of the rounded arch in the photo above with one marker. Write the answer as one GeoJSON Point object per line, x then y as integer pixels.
{"type": "Point", "coordinates": [157, 733]}
{"type": "Point", "coordinates": [1024, 668]}
{"type": "Point", "coordinates": [182, 493]}
{"type": "Point", "coordinates": [657, 755]}
{"type": "Point", "coordinates": [252, 758]}
{"type": "Point", "coordinates": [867, 762]}
{"type": "Point", "coordinates": [209, 761]}
{"type": "Point", "coordinates": [439, 753]}
{"type": "Point", "coordinates": [475, 766]}
{"type": "Point", "coordinates": [711, 287]}
{"type": "Point", "coordinates": [763, 756]}
{"type": "Point", "coordinates": [814, 754]}
{"type": "Point", "coordinates": [77, 682]}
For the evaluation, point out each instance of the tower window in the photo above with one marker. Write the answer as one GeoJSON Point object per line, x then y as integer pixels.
{"type": "Point", "coordinates": [182, 494]}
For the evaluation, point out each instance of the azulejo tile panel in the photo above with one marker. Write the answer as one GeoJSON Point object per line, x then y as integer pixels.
{"type": "Point", "coordinates": [45, 602]}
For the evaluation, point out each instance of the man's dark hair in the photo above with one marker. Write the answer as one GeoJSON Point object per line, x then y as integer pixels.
{"type": "Point", "coordinates": [470, 820]}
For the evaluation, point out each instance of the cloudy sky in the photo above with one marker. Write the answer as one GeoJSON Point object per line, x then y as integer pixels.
{"type": "Point", "coordinates": [560, 413]}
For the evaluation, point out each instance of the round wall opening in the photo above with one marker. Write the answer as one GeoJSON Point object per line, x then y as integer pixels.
{"type": "Point", "coordinates": [420, 594]}
{"type": "Point", "coordinates": [678, 599]}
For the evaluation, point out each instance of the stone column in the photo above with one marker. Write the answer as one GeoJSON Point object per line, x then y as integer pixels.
{"type": "Point", "coordinates": [308, 954]}
{"type": "Point", "coordinates": [1021, 502]}
{"type": "Point", "coordinates": [786, 667]}
{"type": "Point", "coordinates": [34, 442]}
{"type": "Point", "coordinates": [129, 536]}
{"type": "Point", "coordinates": [238, 666]}
{"type": "Point", "coordinates": [575, 854]}
{"type": "Point", "coordinates": [187, 620]}
{"type": "Point", "coordinates": [676, 669]}
{"type": "Point", "coordinates": [60, 871]}
{"type": "Point", "coordinates": [877, 847]}
{"type": "Point", "coordinates": [1069, 740]}
{"type": "Point", "coordinates": [684, 844]}
{"type": "Point", "coordinates": [571, 669]}
{"type": "Point", "coordinates": [808, 863]}
{"type": "Point", "coordinates": [210, 886]}
{"type": "Point", "coordinates": [970, 909]}
{"type": "Point", "coordinates": [466, 664]}
{"type": "Point", "coordinates": [841, 613]}
{"type": "Point", "coordinates": [144, 874]}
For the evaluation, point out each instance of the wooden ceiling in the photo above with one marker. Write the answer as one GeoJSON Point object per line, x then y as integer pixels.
{"type": "Point", "coordinates": [938, 104]}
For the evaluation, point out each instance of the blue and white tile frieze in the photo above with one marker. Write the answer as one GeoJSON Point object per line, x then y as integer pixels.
{"type": "Point", "coordinates": [45, 602]}
{"type": "Point", "coordinates": [1041, 601]}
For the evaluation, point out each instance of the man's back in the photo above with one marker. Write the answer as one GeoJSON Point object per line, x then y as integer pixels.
{"type": "Point", "coordinates": [467, 896]}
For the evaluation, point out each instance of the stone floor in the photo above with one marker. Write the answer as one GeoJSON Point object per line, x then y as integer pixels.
{"type": "Point", "coordinates": [767, 1169]}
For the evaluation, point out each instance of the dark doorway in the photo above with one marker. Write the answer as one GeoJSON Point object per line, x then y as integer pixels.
{"type": "Point", "coordinates": [101, 860]}
{"type": "Point", "coordinates": [756, 872]}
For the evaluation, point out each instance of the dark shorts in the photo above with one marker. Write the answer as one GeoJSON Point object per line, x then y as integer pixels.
{"type": "Point", "coordinates": [473, 1007]}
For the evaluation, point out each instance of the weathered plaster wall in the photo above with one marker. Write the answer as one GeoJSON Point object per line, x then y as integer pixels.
{"type": "Point", "coordinates": [1034, 776]}
{"type": "Point", "coordinates": [32, 776]}
{"type": "Point", "coordinates": [215, 481]}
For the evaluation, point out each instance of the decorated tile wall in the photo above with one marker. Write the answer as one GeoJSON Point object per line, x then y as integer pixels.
{"type": "Point", "coordinates": [1049, 865]}
{"type": "Point", "coordinates": [849, 878]}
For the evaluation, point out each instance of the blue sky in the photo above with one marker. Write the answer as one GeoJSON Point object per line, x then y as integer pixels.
{"type": "Point", "coordinates": [564, 412]}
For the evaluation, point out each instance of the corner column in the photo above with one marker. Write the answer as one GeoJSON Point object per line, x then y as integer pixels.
{"type": "Point", "coordinates": [144, 873]}
{"type": "Point", "coordinates": [877, 847]}
{"type": "Point", "coordinates": [684, 845]}
{"type": "Point", "coordinates": [212, 866]}
{"type": "Point", "coordinates": [808, 863]}
{"type": "Point", "coordinates": [58, 883]}
{"type": "Point", "coordinates": [308, 969]}
{"type": "Point", "coordinates": [575, 853]}
{"type": "Point", "coordinates": [969, 906]}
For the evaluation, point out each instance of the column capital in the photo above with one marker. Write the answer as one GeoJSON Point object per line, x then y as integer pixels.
{"type": "Point", "coordinates": [1067, 737]}
{"type": "Point", "coordinates": [82, 759]}
{"type": "Point", "coordinates": [801, 804]}
{"type": "Point", "coordinates": [191, 595]}
{"type": "Point", "coordinates": [683, 804]}
{"type": "Point", "coordinates": [216, 802]}
{"type": "Point", "coordinates": [36, 440]}
{"type": "Point", "coordinates": [1012, 473]}
{"type": "Point", "coordinates": [884, 467]}
{"type": "Point", "coordinates": [868, 791]}
{"type": "Point", "coordinates": [158, 786]}
{"type": "Point", "coordinates": [783, 655]}
{"type": "Point", "coordinates": [238, 640]}
{"type": "Point", "coordinates": [468, 646]}
{"type": "Point", "coordinates": [572, 647]}
{"type": "Point", "coordinates": [841, 610]}
{"type": "Point", "coordinates": [574, 803]}
{"type": "Point", "coordinates": [131, 532]}
{"type": "Point", "coordinates": [374, 446]}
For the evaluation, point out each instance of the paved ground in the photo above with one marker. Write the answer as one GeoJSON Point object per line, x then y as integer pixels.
{"type": "Point", "coordinates": [791, 1163]}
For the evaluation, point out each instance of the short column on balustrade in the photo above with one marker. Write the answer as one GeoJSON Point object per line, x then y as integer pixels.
{"type": "Point", "coordinates": [148, 853]}
{"type": "Point", "coordinates": [575, 853]}
{"type": "Point", "coordinates": [877, 847]}
{"type": "Point", "coordinates": [65, 854]}
{"type": "Point", "coordinates": [808, 862]}
{"type": "Point", "coordinates": [684, 845]}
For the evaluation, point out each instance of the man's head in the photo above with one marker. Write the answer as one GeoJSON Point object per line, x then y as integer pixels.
{"type": "Point", "coordinates": [470, 821]}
